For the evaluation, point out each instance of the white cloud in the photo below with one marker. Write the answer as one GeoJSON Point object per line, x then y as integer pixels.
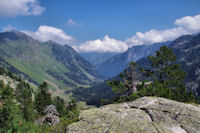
{"type": "Point", "coordinates": [20, 7]}
{"type": "Point", "coordinates": [8, 28]}
{"type": "Point", "coordinates": [46, 33]}
{"type": "Point", "coordinates": [185, 25]}
{"type": "Point", "coordinates": [154, 36]}
{"type": "Point", "coordinates": [102, 45]}
{"type": "Point", "coordinates": [189, 23]}
{"type": "Point", "coordinates": [72, 22]}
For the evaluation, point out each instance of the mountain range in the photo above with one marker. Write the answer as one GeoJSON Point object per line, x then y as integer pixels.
{"type": "Point", "coordinates": [64, 69]}
{"type": "Point", "coordinates": [60, 66]}
{"type": "Point", "coordinates": [116, 64]}
{"type": "Point", "coordinates": [187, 50]}
{"type": "Point", "coordinates": [96, 58]}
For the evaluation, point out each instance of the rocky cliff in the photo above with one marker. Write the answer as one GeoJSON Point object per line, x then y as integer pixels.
{"type": "Point", "coordinates": [116, 64]}
{"type": "Point", "coordinates": [145, 115]}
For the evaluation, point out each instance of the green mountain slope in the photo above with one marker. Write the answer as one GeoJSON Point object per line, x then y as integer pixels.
{"type": "Point", "coordinates": [60, 66]}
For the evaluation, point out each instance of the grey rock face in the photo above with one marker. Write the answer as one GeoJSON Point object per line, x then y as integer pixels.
{"type": "Point", "coordinates": [9, 81]}
{"type": "Point", "coordinates": [145, 115]}
{"type": "Point", "coordinates": [116, 64]}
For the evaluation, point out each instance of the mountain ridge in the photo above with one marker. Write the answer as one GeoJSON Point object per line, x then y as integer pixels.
{"type": "Point", "coordinates": [117, 63]}
{"type": "Point", "coordinates": [48, 61]}
{"type": "Point", "coordinates": [187, 49]}
{"type": "Point", "coordinates": [97, 58]}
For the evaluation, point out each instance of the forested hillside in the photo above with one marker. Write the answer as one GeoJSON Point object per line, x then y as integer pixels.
{"type": "Point", "coordinates": [25, 108]}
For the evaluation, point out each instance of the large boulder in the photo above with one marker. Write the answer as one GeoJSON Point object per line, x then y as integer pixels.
{"type": "Point", "coordinates": [145, 115]}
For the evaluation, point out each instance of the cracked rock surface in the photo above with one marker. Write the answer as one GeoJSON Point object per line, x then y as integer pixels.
{"type": "Point", "coordinates": [145, 115]}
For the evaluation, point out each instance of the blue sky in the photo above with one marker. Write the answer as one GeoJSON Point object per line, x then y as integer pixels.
{"type": "Point", "coordinates": [97, 21]}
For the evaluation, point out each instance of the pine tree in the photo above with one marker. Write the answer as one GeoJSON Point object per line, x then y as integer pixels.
{"type": "Point", "coordinates": [127, 83]}
{"type": "Point", "coordinates": [43, 98]}
{"type": "Point", "coordinates": [60, 105]}
{"type": "Point", "coordinates": [24, 96]}
{"type": "Point", "coordinates": [164, 68]}
{"type": "Point", "coordinates": [72, 110]}
{"type": "Point", "coordinates": [10, 114]}
{"type": "Point", "coordinates": [168, 78]}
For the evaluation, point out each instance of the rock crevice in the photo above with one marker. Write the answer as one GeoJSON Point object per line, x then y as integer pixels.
{"type": "Point", "coordinates": [145, 115]}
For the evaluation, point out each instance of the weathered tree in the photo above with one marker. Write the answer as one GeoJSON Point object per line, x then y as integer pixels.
{"type": "Point", "coordinates": [127, 82]}
{"type": "Point", "coordinates": [51, 116]}
{"type": "Point", "coordinates": [167, 80]}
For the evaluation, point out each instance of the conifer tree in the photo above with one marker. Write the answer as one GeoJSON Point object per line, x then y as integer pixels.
{"type": "Point", "coordinates": [72, 110]}
{"type": "Point", "coordinates": [127, 83]}
{"type": "Point", "coordinates": [10, 114]}
{"type": "Point", "coordinates": [60, 105]}
{"type": "Point", "coordinates": [43, 98]}
{"type": "Point", "coordinates": [24, 96]}
{"type": "Point", "coordinates": [168, 78]}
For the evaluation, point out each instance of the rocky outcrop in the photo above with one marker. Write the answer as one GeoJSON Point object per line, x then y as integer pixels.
{"type": "Point", "coordinates": [145, 115]}
{"type": "Point", "coordinates": [7, 80]}
{"type": "Point", "coordinates": [50, 118]}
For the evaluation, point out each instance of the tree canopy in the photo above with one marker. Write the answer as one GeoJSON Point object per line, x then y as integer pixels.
{"type": "Point", "coordinates": [166, 79]}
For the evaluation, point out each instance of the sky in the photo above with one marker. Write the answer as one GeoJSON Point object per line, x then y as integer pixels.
{"type": "Point", "coordinates": [101, 25]}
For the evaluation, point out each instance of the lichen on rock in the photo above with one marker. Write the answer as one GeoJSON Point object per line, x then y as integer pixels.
{"type": "Point", "coordinates": [145, 115]}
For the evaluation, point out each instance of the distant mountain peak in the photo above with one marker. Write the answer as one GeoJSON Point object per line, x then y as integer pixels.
{"type": "Point", "coordinates": [16, 35]}
{"type": "Point", "coordinates": [116, 64]}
